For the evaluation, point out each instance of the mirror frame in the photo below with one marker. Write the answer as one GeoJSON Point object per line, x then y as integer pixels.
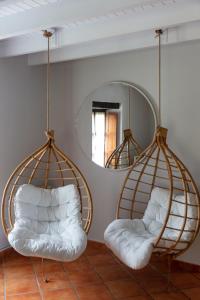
{"type": "Point", "coordinates": [125, 83]}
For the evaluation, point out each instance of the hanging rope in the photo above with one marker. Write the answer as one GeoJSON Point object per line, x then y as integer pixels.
{"type": "Point", "coordinates": [129, 108]}
{"type": "Point", "coordinates": [48, 35]}
{"type": "Point", "coordinates": [158, 35]}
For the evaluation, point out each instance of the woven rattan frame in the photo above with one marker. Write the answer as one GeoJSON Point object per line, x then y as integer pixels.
{"type": "Point", "coordinates": [158, 166]}
{"type": "Point", "coordinates": [123, 156]}
{"type": "Point", "coordinates": [48, 167]}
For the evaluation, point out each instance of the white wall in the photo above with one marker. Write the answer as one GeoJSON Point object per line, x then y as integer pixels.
{"type": "Point", "coordinates": [23, 113]}
{"type": "Point", "coordinates": [142, 118]}
{"type": "Point", "coordinates": [180, 107]}
{"type": "Point", "coordinates": [21, 121]}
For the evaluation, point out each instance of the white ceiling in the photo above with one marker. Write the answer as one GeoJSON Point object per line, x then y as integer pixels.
{"type": "Point", "coordinates": [10, 7]}
{"type": "Point", "coordinates": [92, 27]}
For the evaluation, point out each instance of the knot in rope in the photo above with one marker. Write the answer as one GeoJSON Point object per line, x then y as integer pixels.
{"type": "Point", "coordinates": [50, 134]}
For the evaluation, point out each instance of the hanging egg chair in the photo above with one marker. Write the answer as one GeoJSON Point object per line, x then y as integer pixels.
{"type": "Point", "coordinates": [46, 204]}
{"type": "Point", "coordinates": [125, 154]}
{"type": "Point", "coordinates": [159, 206]}
{"type": "Point", "coordinates": [128, 151]}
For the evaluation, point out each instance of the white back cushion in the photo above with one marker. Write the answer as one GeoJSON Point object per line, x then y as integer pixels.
{"type": "Point", "coordinates": [47, 205]}
{"type": "Point", "coordinates": [157, 209]}
{"type": "Point", "coordinates": [178, 208]}
{"type": "Point", "coordinates": [48, 223]}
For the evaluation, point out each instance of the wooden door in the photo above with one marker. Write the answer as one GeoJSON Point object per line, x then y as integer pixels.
{"type": "Point", "coordinates": [110, 133]}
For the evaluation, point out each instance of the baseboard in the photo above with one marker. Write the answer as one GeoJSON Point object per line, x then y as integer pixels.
{"type": "Point", "coordinates": [5, 251]}
{"type": "Point", "coordinates": [96, 241]}
{"type": "Point", "coordinates": [185, 266]}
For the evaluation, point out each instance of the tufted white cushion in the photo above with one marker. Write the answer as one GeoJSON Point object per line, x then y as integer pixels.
{"type": "Point", "coordinates": [132, 240]}
{"type": "Point", "coordinates": [157, 209]}
{"type": "Point", "coordinates": [48, 223]}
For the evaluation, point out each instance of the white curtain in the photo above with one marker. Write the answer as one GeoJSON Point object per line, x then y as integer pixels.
{"type": "Point", "coordinates": [98, 137]}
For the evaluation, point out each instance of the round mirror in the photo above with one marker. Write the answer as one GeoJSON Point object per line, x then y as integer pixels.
{"type": "Point", "coordinates": [115, 124]}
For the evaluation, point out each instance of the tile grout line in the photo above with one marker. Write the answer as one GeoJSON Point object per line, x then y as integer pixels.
{"type": "Point", "coordinates": [37, 281]}
{"type": "Point", "coordinates": [153, 267]}
{"type": "Point", "coordinates": [194, 274]}
{"type": "Point", "coordinates": [100, 278]}
{"type": "Point", "coordinates": [134, 278]}
{"type": "Point", "coordinates": [139, 284]}
{"type": "Point", "coordinates": [164, 276]}
{"type": "Point", "coordinates": [4, 278]}
{"type": "Point", "coordinates": [177, 289]}
{"type": "Point", "coordinates": [160, 292]}
{"type": "Point", "coordinates": [127, 271]}
{"type": "Point", "coordinates": [70, 283]}
{"type": "Point", "coordinates": [21, 293]}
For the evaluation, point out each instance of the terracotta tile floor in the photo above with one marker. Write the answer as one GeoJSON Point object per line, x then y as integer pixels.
{"type": "Point", "coordinates": [97, 275]}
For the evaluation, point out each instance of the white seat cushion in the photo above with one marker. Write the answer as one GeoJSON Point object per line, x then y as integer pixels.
{"type": "Point", "coordinates": [132, 240]}
{"type": "Point", "coordinates": [48, 223]}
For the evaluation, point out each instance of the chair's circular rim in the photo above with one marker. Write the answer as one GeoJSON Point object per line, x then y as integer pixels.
{"type": "Point", "coordinates": [50, 143]}
{"type": "Point", "coordinates": [161, 142]}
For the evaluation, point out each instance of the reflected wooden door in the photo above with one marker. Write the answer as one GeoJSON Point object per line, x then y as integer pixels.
{"type": "Point", "coordinates": [110, 133]}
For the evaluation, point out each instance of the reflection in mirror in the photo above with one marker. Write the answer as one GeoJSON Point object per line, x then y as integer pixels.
{"type": "Point", "coordinates": [118, 123]}
{"type": "Point", "coordinates": [105, 120]}
{"type": "Point", "coordinates": [126, 153]}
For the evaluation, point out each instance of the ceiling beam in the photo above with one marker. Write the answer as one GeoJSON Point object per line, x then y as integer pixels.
{"type": "Point", "coordinates": [181, 33]}
{"type": "Point", "coordinates": [112, 26]}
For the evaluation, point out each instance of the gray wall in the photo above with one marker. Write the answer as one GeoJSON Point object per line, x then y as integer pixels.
{"type": "Point", "coordinates": [21, 119]}
{"type": "Point", "coordinates": [143, 122]}
{"type": "Point", "coordinates": [21, 102]}
{"type": "Point", "coordinates": [23, 113]}
{"type": "Point", "coordinates": [180, 114]}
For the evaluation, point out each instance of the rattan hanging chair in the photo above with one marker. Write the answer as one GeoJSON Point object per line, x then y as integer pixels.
{"type": "Point", "coordinates": [47, 205]}
{"type": "Point", "coordinates": [128, 151]}
{"type": "Point", "coordinates": [48, 167]}
{"type": "Point", "coordinates": [125, 154]}
{"type": "Point", "coordinates": [158, 167]}
{"type": "Point", "coordinates": [159, 206]}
